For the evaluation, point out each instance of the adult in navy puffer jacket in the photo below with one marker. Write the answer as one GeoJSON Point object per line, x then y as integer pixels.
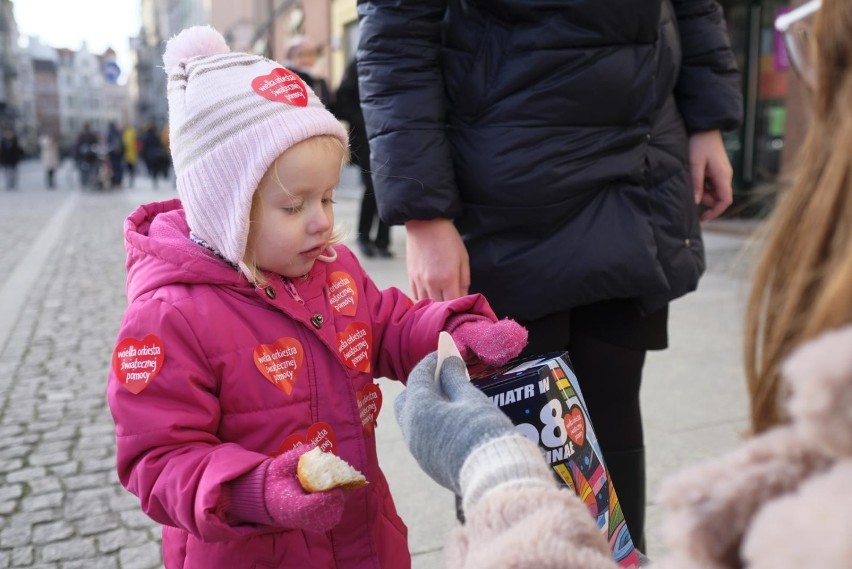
{"type": "Point", "coordinates": [540, 151]}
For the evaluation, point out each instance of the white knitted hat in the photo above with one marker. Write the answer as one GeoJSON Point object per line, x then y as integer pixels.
{"type": "Point", "coordinates": [230, 116]}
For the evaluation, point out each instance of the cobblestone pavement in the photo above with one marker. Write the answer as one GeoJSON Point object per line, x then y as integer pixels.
{"type": "Point", "coordinates": [60, 501]}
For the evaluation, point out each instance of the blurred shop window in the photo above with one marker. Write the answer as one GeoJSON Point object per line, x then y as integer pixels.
{"type": "Point", "coordinates": [763, 149]}
{"type": "Point", "coordinates": [771, 96]}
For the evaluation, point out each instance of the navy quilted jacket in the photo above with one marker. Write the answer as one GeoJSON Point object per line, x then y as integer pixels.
{"type": "Point", "coordinates": [554, 133]}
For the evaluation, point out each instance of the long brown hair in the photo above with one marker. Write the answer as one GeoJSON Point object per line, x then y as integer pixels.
{"type": "Point", "coordinates": [803, 282]}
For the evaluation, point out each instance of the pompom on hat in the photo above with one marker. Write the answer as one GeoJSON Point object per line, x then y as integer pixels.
{"type": "Point", "coordinates": [230, 116]}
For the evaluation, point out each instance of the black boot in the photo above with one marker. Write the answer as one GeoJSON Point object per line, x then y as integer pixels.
{"type": "Point", "coordinates": [627, 471]}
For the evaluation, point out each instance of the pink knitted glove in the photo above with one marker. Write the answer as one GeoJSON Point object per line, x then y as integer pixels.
{"type": "Point", "coordinates": [493, 343]}
{"type": "Point", "coordinates": [272, 495]}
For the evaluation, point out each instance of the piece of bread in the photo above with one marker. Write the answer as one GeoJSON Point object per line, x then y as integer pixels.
{"type": "Point", "coordinates": [320, 471]}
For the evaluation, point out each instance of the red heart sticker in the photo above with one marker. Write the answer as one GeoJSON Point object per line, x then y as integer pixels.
{"type": "Point", "coordinates": [281, 86]}
{"type": "Point", "coordinates": [280, 362]}
{"type": "Point", "coordinates": [369, 405]}
{"type": "Point", "coordinates": [342, 293]}
{"type": "Point", "coordinates": [353, 345]}
{"type": "Point", "coordinates": [137, 362]}
{"type": "Point", "coordinates": [575, 424]}
{"type": "Point", "coordinates": [320, 434]}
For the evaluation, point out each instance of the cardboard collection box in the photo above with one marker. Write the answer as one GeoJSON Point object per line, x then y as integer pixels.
{"type": "Point", "coordinates": [542, 397]}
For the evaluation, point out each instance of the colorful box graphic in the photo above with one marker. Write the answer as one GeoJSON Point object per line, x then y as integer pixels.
{"type": "Point", "coordinates": [542, 397]}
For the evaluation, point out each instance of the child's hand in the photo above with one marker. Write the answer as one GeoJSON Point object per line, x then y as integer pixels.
{"type": "Point", "coordinates": [493, 343]}
{"type": "Point", "coordinates": [272, 495]}
{"type": "Point", "coordinates": [290, 506]}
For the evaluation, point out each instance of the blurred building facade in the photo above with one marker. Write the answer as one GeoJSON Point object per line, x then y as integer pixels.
{"type": "Point", "coordinates": [63, 89]}
{"type": "Point", "coordinates": [10, 94]}
{"type": "Point", "coordinates": [259, 26]}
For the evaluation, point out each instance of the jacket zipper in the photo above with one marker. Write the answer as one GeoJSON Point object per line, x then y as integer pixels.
{"type": "Point", "coordinates": [291, 289]}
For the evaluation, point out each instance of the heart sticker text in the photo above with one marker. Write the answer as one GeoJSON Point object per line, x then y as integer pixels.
{"type": "Point", "coordinates": [575, 424]}
{"type": "Point", "coordinates": [342, 293]}
{"type": "Point", "coordinates": [281, 86]}
{"type": "Point", "coordinates": [320, 434]}
{"type": "Point", "coordinates": [369, 405]}
{"type": "Point", "coordinates": [353, 345]}
{"type": "Point", "coordinates": [280, 362]}
{"type": "Point", "coordinates": [136, 362]}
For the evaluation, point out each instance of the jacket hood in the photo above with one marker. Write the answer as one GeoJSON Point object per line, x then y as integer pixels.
{"type": "Point", "coordinates": [160, 252]}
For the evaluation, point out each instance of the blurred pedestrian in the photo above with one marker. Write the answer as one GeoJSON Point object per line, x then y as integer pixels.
{"type": "Point", "coordinates": [550, 155]}
{"type": "Point", "coordinates": [49, 158]}
{"type": "Point", "coordinates": [115, 154]}
{"type": "Point", "coordinates": [165, 138]}
{"type": "Point", "coordinates": [131, 152]}
{"type": "Point", "coordinates": [154, 154]}
{"type": "Point", "coordinates": [347, 107]}
{"type": "Point", "coordinates": [10, 154]}
{"type": "Point", "coordinates": [301, 56]}
{"type": "Point", "coordinates": [86, 155]}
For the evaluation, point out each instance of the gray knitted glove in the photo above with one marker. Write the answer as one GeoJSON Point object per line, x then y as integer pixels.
{"type": "Point", "coordinates": [442, 423]}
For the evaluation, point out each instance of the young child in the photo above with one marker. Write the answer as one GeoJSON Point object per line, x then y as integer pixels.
{"type": "Point", "coordinates": [252, 335]}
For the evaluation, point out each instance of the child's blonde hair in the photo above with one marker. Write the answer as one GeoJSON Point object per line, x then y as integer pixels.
{"type": "Point", "coordinates": [323, 143]}
{"type": "Point", "coordinates": [803, 282]}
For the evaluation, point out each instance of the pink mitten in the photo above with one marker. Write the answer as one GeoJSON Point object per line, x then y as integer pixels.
{"type": "Point", "coordinates": [493, 343]}
{"type": "Point", "coordinates": [272, 495]}
{"type": "Point", "coordinates": [290, 505]}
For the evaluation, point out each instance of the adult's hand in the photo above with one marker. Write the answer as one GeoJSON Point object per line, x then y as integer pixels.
{"type": "Point", "coordinates": [711, 173]}
{"type": "Point", "coordinates": [444, 421]}
{"type": "Point", "coordinates": [438, 265]}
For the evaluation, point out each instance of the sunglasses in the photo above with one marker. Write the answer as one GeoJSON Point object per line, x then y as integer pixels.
{"type": "Point", "coordinates": [797, 27]}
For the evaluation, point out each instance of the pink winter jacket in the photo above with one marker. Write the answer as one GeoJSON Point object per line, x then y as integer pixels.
{"type": "Point", "coordinates": [236, 374]}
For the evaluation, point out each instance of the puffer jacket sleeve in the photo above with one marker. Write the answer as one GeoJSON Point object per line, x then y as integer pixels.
{"type": "Point", "coordinates": [404, 332]}
{"type": "Point", "coordinates": [708, 91]}
{"type": "Point", "coordinates": [168, 453]}
{"type": "Point", "coordinates": [402, 97]}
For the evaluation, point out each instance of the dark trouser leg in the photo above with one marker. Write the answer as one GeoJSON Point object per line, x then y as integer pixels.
{"type": "Point", "coordinates": [85, 174]}
{"type": "Point", "coordinates": [610, 377]}
{"type": "Point", "coordinates": [368, 208]}
{"type": "Point", "coordinates": [117, 165]}
{"type": "Point", "coordinates": [50, 177]}
{"type": "Point", "coordinates": [382, 240]}
{"type": "Point", "coordinates": [11, 177]}
{"type": "Point", "coordinates": [382, 235]}
{"type": "Point", "coordinates": [366, 215]}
